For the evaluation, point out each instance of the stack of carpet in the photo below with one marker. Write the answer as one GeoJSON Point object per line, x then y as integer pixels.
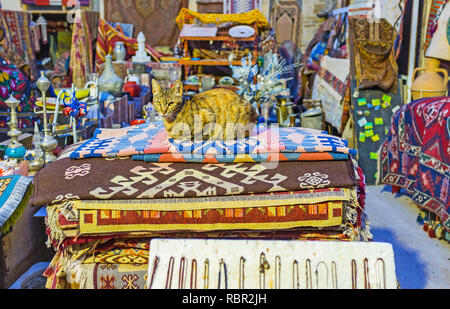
{"type": "Point", "coordinates": [109, 196]}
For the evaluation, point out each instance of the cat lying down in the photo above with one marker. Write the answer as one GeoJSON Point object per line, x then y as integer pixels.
{"type": "Point", "coordinates": [216, 114]}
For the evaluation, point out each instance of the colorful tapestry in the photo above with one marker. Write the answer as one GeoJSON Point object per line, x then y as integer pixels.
{"type": "Point", "coordinates": [416, 154]}
{"type": "Point", "coordinates": [81, 55]}
{"type": "Point", "coordinates": [14, 196]}
{"type": "Point", "coordinates": [124, 178]}
{"type": "Point", "coordinates": [16, 41]}
{"type": "Point", "coordinates": [14, 82]}
{"type": "Point", "coordinates": [330, 85]}
{"type": "Point", "coordinates": [155, 19]}
{"type": "Point", "coordinates": [436, 9]}
{"type": "Point", "coordinates": [108, 36]}
{"type": "Point", "coordinates": [264, 144]}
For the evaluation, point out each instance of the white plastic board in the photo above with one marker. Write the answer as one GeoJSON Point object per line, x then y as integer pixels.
{"type": "Point", "coordinates": [267, 264]}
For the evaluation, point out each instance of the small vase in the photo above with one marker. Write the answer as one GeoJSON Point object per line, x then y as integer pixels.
{"type": "Point", "coordinates": [109, 81]}
{"type": "Point", "coordinates": [120, 53]}
{"type": "Point", "coordinates": [430, 83]}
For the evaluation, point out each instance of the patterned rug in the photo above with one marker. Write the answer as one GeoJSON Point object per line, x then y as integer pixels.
{"type": "Point", "coordinates": [251, 218]}
{"type": "Point", "coordinates": [14, 196]}
{"type": "Point", "coordinates": [66, 272]}
{"type": "Point", "coordinates": [267, 142]}
{"type": "Point", "coordinates": [314, 208]}
{"type": "Point", "coordinates": [124, 178]}
{"type": "Point", "coordinates": [72, 220]}
{"type": "Point", "coordinates": [416, 154]}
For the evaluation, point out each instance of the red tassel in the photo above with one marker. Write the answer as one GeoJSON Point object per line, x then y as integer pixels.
{"type": "Point", "coordinates": [425, 227]}
{"type": "Point", "coordinates": [431, 233]}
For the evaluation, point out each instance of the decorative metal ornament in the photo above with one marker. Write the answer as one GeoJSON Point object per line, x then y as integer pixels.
{"type": "Point", "coordinates": [15, 150]}
{"type": "Point", "coordinates": [49, 143]}
{"type": "Point", "coordinates": [260, 85]}
{"type": "Point", "coordinates": [241, 31]}
{"type": "Point", "coordinates": [38, 162]}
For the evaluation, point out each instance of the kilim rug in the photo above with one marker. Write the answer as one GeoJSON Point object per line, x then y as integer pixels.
{"type": "Point", "coordinates": [416, 154]}
{"type": "Point", "coordinates": [152, 218]}
{"type": "Point", "coordinates": [63, 231]}
{"type": "Point", "coordinates": [124, 178]}
{"type": "Point", "coordinates": [14, 196]}
{"type": "Point", "coordinates": [64, 273]}
{"type": "Point", "coordinates": [265, 144]}
{"type": "Point", "coordinates": [96, 221]}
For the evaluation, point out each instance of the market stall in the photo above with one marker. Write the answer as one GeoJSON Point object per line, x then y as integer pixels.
{"type": "Point", "coordinates": [322, 105]}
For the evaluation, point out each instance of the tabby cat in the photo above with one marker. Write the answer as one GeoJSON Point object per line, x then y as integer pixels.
{"type": "Point", "coordinates": [216, 114]}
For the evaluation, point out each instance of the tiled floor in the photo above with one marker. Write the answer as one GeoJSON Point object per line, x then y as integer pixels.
{"type": "Point", "coordinates": [421, 262]}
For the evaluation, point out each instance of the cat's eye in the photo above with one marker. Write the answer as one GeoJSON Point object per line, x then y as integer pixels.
{"type": "Point", "coordinates": [170, 103]}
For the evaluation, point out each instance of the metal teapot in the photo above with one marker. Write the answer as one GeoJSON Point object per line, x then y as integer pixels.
{"type": "Point", "coordinates": [285, 111]}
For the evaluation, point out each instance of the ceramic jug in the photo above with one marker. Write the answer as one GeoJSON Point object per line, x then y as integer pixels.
{"type": "Point", "coordinates": [430, 83]}
{"type": "Point", "coordinates": [109, 81]}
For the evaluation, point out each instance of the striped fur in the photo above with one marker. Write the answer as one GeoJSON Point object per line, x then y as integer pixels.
{"type": "Point", "coordinates": [216, 114]}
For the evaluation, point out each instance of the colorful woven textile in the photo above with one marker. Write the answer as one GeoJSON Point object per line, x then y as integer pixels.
{"type": "Point", "coordinates": [435, 11]}
{"type": "Point", "coordinates": [115, 251]}
{"type": "Point", "coordinates": [107, 38]}
{"type": "Point", "coordinates": [15, 36]}
{"type": "Point", "coordinates": [416, 154]}
{"type": "Point", "coordinates": [265, 144]}
{"type": "Point", "coordinates": [251, 218]}
{"type": "Point", "coordinates": [330, 86]}
{"type": "Point", "coordinates": [65, 272]}
{"type": "Point", "coordinates": [124, 178]}
{"type": "Point", "coordinates": [14, 196]}
{"type": "Point", "coordinates": [160, 217]}
{"type": "Point", "coordinates": [81, 55]}
{"type": "Point", "coordinates": [260, 212]}
{"type": "Point", "coordinates": [14, 82]}
{"type": "Point", "coordinates": [252, 17]}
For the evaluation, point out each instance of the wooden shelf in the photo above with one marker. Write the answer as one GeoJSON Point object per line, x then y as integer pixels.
{"type": "Point", "coordinates": [52, 12]}
{"type": "Point", "coordinates": [187, 64]}
{"type": "Point", "coordinates": [212, 62]}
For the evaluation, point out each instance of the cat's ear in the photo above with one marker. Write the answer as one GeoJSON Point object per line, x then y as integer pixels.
{"type": "Point", "coordinates": [178, 88]}
{"type": "Point", "coordinates": [156, 88]}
